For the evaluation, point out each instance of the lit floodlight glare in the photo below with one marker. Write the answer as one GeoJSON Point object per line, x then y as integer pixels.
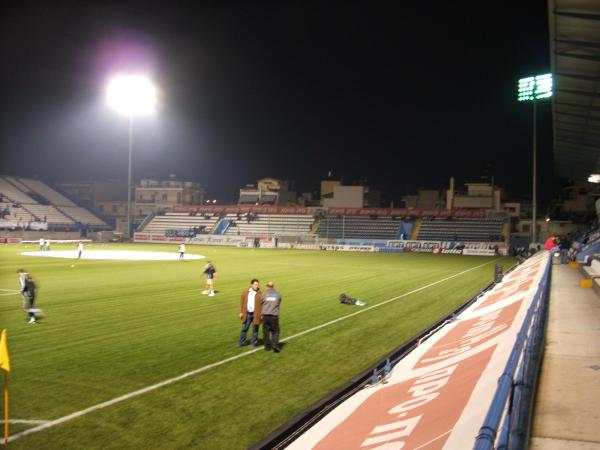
{"type": "Point", "coordinates": [535, 88]}
{"type": "Point", "coordinates": [594, 178]}
{"type": "Point", "coordinates": [131, 95]}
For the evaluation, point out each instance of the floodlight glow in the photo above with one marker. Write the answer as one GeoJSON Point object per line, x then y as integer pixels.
{"type": "Point", "coordinates": [535, 88]}
{"type": "Point", "coordinates": [594, 178]}
{"type": "Point", "coordinates": [131, 95]}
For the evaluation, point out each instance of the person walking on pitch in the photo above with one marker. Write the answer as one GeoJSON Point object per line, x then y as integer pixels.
{"type": "Point", "coordinates": [210, 272]}
{"type": "Point", "coordinates": [28, 292]}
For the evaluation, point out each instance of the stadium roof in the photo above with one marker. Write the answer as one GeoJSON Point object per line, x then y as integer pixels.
{"type": "Point", "coordinates": [574, 27]}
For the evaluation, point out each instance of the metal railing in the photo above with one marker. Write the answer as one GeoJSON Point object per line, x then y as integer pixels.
{"type": "Point", "coordinates": [507, 423]}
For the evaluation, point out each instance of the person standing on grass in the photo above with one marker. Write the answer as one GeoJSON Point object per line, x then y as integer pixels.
{"type": "Point", "coordinates": [28, 293]}
{"type": "Point", "coordinates": [250, 312]}
{"type": "Point", "coordinates": [79, 249]}
{"type": "Point", "coordinates": [181, 251]}
{"type": "Point", "coordinates": [271, 300]}
{"type": "Point", "coordinates": [41, 244]}
{"type": "Point", "coordinates": [211, 272]}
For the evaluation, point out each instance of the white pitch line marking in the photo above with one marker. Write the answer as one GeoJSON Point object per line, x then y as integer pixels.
{"type": "Point", "coordinates": [27, 421]}
{"type": "Point", "coordinates": [82, 412]}
{"type": "Point", "coordinates": [8, 292]}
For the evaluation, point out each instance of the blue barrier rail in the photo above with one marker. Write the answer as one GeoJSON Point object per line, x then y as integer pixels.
{"type": "Point", "coordinates": [146, 221]}
{"type": "Point", "coordinates": [507, 423]}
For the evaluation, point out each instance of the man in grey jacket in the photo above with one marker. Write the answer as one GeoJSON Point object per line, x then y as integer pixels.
{"type": "Point", "coordinates": [271, 300]}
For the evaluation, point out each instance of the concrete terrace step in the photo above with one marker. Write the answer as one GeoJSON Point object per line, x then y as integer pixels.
{"type": "Point", "coordinates": [568, 394]}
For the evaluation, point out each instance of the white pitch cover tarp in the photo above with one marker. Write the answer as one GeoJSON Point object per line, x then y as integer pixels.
{"type": "Point", "coordinates": [437, 397]}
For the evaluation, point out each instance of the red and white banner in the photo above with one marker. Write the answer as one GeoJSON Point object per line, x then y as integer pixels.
{"type": "Point", "coordinates": [150, 237]}
{"type": "Point", "coordinates": [438, 395]}
{"type": "Point", "coordinates": [234, 209]}
{"type": "Point", "coordinates": [404, 212]}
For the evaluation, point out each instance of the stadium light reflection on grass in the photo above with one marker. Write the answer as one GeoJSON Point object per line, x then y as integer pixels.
{"type": "Point", "coordinates": [532, 89]}
{"type": "Point", "coordinates": [131, 95]}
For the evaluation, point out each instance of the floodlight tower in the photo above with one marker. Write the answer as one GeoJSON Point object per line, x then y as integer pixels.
{"type": "Point", "coordinates": [131, 96]}
{"type": "Point", "coordinates": [532, 89]}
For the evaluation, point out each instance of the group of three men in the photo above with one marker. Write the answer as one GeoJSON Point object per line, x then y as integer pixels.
{"type": "Point", "coordinates": [258, 307]}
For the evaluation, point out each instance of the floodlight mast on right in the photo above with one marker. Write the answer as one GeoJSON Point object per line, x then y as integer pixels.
{"type": "Point", "coordinates": [532, 89]}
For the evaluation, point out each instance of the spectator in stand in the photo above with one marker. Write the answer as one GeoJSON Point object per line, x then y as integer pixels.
{"type": "Point", "coordinates": [564, 246]}
{"type": "Point", "coordinates": [550, 243]}
{"type": "Point", "coordinates": [250, 312]}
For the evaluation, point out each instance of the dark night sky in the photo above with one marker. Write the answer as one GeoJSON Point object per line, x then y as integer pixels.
{"type": "Point", "coordinates": [403, 96]}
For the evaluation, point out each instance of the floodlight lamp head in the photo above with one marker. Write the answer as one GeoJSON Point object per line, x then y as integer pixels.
{"type": "Point", "coordinates": [535, 88]}
{"type": "Point", "coordinates": [131, 95]}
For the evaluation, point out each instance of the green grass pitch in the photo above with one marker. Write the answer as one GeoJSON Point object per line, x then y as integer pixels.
{"type": "Point", "coordinates": [115, 327]}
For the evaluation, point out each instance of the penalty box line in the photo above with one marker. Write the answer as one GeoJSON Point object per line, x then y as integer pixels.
{"type": "Point", "coordinates": [75, 415]}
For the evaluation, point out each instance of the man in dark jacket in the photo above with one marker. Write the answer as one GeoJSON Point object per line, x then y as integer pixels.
{"type": "Point", "coordinates": [28, 293]}
{"type": "Point", "coordinates": [250, 312]}
{"type": "Point", "coordinates": [270, 317]}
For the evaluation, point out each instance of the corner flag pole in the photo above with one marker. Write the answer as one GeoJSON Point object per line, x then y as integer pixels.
{"type": "Point", "coordinates": [5, 367]}
{"type": "Point", "coordinates": [5, 408]}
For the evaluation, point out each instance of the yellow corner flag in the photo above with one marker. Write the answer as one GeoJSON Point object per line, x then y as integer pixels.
{"type": "Point", "coordinates": [4, 358]}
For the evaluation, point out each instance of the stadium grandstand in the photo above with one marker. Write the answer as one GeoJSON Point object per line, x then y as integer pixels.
{"type": "Point", "coordinates": [464, 230]}
{"type": "Point", "coordinates": [34, 205]}
{"type": "Point", "coordinates": [268, 224]}
{"type": "Point", "coordinates": [379, 227]}
{"type": "Point", "coordinates": [350, 227]}
{"type": "Point", "coordinates": [162, 223]}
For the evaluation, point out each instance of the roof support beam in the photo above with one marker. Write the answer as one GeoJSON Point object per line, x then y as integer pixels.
{"type": "Point", "coordinates": [584, 93]}
{"type": "Point", "coordinates": [580, 143]}
{"type": "Point", "coordinates": [577, 132]}
{"type": "Point", "coordinates": [579, 140]}
{"type": "Point", "coordinates": [577, 76]}
{"type": "Point", "coordinates": [576, 56]}
{"type": "Point", "coordinates": [578, 116]}
{"type": "Point", "coordinates": [575, 105]}
{"type": "Point", "coordinates": [581, 44]}
{"type": "Point", "coordinates": [582, 16]}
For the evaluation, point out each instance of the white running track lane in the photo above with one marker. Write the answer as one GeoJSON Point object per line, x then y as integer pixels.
{"type": "Point", "coordinates": [121, 398]}
{"type": "Point", "coordinates": [118, 255]}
